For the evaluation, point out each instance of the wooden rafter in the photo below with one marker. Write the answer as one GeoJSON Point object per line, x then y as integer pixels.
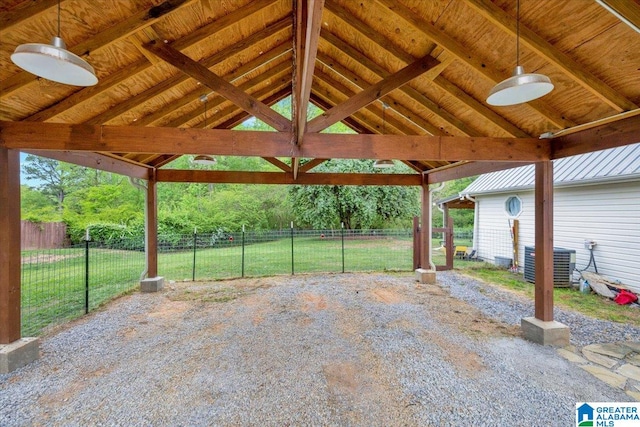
{"type": "Point", "coordinates": [463, 55]}
{"type": "Point", "coordinates": [407, 89]}
{"type": "Point", "coordinates": [627, 9]}
{"type": "Point", "coordinates": [278, 163]}
{"type": "Point", "coordinates": [469, 169]}
{"type": "Point", "coordinates": [218, 84]}
{"type": "Point", "coordinates": [311, 164]}
{"type": "Point", "coordinates": [95, 161]}
{"type": "Point", "coordinates": [407, 114]}
{"type": "Point", "coordinates": [608, 135]}
{"type": "Point", "coordinates": [568, 65]}
{"type": "Point", "coordinates": [372, 93]}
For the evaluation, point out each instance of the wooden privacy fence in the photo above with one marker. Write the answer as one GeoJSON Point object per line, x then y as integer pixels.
{"type": "Point", "coordinates": [46, 235]}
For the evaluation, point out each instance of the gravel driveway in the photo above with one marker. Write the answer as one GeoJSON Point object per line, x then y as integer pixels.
{"type": "Point", "coordinates": [344, 349]}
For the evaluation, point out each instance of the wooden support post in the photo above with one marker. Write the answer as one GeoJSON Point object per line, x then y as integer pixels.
{"type": "Point", "coordinates": [544, 241]}
{"type": "Point", "coordinates": [425, 230]}
{"type": "Point", "coordinates": [416, 242]}
{"type": "Point", "coordinates": [448, 239]}
{"type": "Point", "coordinates": [152, 227]}
{"type": "Point", "coordinates": [9, 245]}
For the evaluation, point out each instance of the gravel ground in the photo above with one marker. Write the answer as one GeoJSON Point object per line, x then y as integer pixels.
{"type": "Point", "coordinates": [348, 349]}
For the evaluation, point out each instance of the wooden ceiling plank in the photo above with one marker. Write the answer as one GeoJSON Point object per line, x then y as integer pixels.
{"type": "Point", "coordinates": [123, 29]}
{"type": "Point", "coordinates": [307, 49]}
{"type": "Point", "coordinates": [388, 99]}
{"type": "Point", "coordinates": [608, 135]}
{"type": "Point", "coordinates": [70, 137]}
{"type": "Point", "coordinates": [95, 161]}
{"type": "Point", "coordinates": [546, 50]}
{"type": "Point", "coordinates": [310, 165]}
{"type": "Point", "coordinates": [278, 163]}
{"type": "Point", "coordinates": [373, 92]}
{"type": "Point", "coordinates": [463, 55]}
{"type": "Point", "coordinates": [232, 177]}
{"type": "Point", "coordinates": [218, 84]}
{"type": "Point", "coordinates": [469, 169]}
{"type": "Point", "coordinates": [11, 18]}
{"type": "Point", "coordinates": [407, 89]}
{"type": "Point", "coordinates": [221, 23]}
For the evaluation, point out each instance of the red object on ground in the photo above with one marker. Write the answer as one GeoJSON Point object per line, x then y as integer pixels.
{"type": "Point", "coordinates": [625, 297]}
{"type": "Point", "coordinates": [231, 238]}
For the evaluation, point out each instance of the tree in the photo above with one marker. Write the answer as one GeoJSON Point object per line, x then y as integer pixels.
{"type": "Point", "coordinates": [358, 207]}
{"type": "Point", "coordinates": [56, 179]}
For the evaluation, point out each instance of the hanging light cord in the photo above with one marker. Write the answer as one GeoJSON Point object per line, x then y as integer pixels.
{"type": "Point", "coordinates": [518, 32]}
{"type": "Point", "coordinates": [58, 18]}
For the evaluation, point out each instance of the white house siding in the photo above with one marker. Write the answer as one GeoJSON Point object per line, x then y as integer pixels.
{"type": "Point", "coordinates": [608, 214]}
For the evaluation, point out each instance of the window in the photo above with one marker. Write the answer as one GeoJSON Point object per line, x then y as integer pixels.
{"type": "Point", "coordinates": [513, 206]}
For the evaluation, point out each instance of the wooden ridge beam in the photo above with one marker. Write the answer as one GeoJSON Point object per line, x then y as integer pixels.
{"type": "Point", "coordinates": [307, 34]}
{"type": "Point", "coordinates": [608, 135]}
{"type": "Point", "coordinates": [558, 59]}
{"type": "Point", "coordinates": [282, 178]}
{"type": "Point", "coordinates": [96, 161]}
{"type": "Point", "coordinates": [127, 139]}
{"type": "Point", "coordinates": [373, 92]}
{"type": "Point", "coordinates": [459, 51]}
{"type": "Point", "coordinates": [218, 84]}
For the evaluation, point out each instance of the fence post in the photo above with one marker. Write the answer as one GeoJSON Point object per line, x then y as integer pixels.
{"type": "Point", "coordinates": [87, 238]}
{"type": "Point", "coordinates": [342, 233]}
{"type": "Point", "coordinates": [292, 269]}
{"type": "Point", "coordinates": [242, 250]}
{"type": "Point", "coordinates": [193, 269]}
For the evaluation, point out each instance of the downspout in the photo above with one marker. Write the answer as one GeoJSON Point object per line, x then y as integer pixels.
{"type": "Point", "coordinates": [476, 217]}
{"type": "Point", "coordinates": [136, 182]}
{"type": "Point", "coordinates": [432, 266]}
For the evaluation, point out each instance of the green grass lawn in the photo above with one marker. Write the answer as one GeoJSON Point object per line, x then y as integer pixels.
{"type": "Point", "coordinates": [590, 304]}
{"type": "Point", "coordinates": [53, 281]}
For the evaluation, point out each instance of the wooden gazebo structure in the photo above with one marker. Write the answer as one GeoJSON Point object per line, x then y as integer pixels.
{"type": "Point", "coordinates": [432, 62]}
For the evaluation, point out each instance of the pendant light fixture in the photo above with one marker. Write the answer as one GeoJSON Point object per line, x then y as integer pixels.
{"type": "Point", "coordinates": [54, 62]}
{"type": "Point", "coordinates": [203, 159]}
{"type": "Point", "coordinates": [383, 163]}
{"type": "Point", "coordinates": [520, 87]}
